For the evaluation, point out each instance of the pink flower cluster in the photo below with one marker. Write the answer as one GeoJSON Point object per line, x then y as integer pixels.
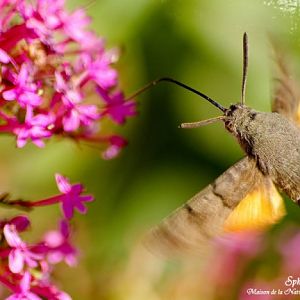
{"type": "Point", "coordinates": [26, 269]}
{"type": "Point", "coordinates": [56, 77]}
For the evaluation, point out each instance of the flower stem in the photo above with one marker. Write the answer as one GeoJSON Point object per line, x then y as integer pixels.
{"type": "Point", "coordinates": [30, 204]}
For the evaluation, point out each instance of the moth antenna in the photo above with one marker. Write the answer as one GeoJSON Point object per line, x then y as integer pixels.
{"type": "Point", "coordinates": [201, 123]}
{"type": "Point", "coordinates": [155, 82]}
{"type": "Point", "coordinates": [245, 67]}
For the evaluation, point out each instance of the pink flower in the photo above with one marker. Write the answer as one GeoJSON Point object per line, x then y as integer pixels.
{"type": "Point", "coordinates": [24, 292]}
{"type": "Point", "coordinates": [97, 68]}
{"type": "Point", "coordinates": [117, 108]}
{"type": "Point", "coordinates": [116, 145]}
{"type": "Point", "coordinates": [68, 91]}
{"type": "Point", "coordinates": [24, 91]}
{"type": "Point", "coordinates": [19, 254]}
{"type": "Point", "coordinates": [80, 115]}
{"type": "Point", "coordinates": [44, 17]}
{"type": "Point", "coordinates": [59, 246]}
{"type": "Point", "coordinates": [21, 223]}
{"type": "Point", "coordinates": [71, 197]}
{"type": "Point", "coordinates": [35, 128]}
{"type": "Point", "coordinates": [75, 25]}
{"type": "Point", "coordinates": [51, 61]}
{"type": "Point", "coordinates": [73, 113]}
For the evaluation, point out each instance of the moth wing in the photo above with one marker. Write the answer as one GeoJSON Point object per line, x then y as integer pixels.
{"type": "Point", "coordinates": [287, 95]}
{"type": "Point", "coordinates": [261, 207]}
{"type": "Point", "coordinates": [225, 205]}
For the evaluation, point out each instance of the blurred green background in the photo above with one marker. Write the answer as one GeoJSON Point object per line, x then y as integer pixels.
{"type": "Point", "coordinates": [196, 42]}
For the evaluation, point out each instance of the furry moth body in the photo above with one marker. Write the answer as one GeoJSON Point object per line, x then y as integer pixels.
{"type": "Point", "coordinates": [244, 196]}
{"type": "Point", "coordinates": [272, 141]}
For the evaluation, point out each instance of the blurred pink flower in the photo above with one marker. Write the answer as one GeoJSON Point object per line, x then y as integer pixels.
{"type": "Point", "coordinates": [71, 197]}
{"type": "Point", "coordinates": [59, 247]}
{"type": "Point", "coordinates": [19, 252]}
{"type": "Point", "coordinates": [35, 127]}
{"type": "Point", "coordinates": [26, 270]}
{"type": "Point", "coordinates": [79, 115]}
{"type": "Point", "coordinates": [117, 108]}
{"type": "Point", "coordinates": [234, 251]}
{"type": "Point", "coordinates": [289, 248]}
{"type": "Point", "coordinates": [21, 223]}
{"type": "Point", "coordinates": [24, 292]}
{"type": "Point", "coordinates": [51, 64]}
{"type": "Point", "coordinates": [24, 91]}
{"type": "Point", "coordinates": [116, 145]}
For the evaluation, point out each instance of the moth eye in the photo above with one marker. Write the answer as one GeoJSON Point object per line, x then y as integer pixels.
{"type": "Point", "coordinates": [232, 108]}
{"type": "Point", "coordinates": [230, 111]}
{"type": "Point", "coordinates": [253, 116]}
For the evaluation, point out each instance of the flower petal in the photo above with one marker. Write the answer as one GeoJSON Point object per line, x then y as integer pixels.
{"type": "Point", "coordinates": [10, 95]}
{"type": "Point", "coordinates": [68, 208]}
{"type": "Point", "coordinates": [77, 188]}
{"type": "Point", "coordinates": [81, 207]}
{"type": "Point", "coordinates": [16, 261]}
{"type": "Point", "coordinates": [53, 238]}
{"type": "Point", "coordinates": [21, 222]}
{"type": "Point", "coordinates": [25, 282]}
{"type": "Point", "coordinates": [4, 57]}
{"type": "Point", "coordinates": [62, 183]}
{"type": "Point", "coordinates": [11, 236]}
{"type": "Point", "coordinates": [87, 198]}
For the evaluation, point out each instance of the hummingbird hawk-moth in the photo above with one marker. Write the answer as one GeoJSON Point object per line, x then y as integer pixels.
{"type": "Point", "coordinates": [244, 196]}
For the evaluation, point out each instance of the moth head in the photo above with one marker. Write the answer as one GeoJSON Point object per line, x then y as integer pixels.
{"type": "Point", "coordinates": [235, 116]}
